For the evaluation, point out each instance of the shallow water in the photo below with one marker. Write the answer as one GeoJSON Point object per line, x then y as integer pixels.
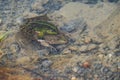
{"type": "Point", "coordinates": [91, 28]}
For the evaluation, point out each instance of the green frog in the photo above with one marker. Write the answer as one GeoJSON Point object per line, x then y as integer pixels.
{"type": "Point", "coordinates": [50, 34]}
{"type": "Point", "coordinates": [41, 32]}
{"type": "Point", "coordinates": [36, 29]}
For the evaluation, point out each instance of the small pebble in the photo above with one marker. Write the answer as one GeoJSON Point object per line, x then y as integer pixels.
{"type": "Point", "coordinates": [83, 48]}
{"type": "Point", "coordinates": [19, 20]}
{"type": "Point", "coordinates": [38, 4]}
{"type": "Point", "coordinates": [81, 71]}
{"type": "Point", "coordinates": [73, 48]}
{"type": "Point", "coordinates": [110, 55]}
{"type": "Point", "coordinates": [101, 56]}
{"type": "Point", "coordinates": [76, 68]}
{"type": "Point", "coordinates": [97, 66]}
{"type": "Point", "coordinates": [87, 40]}
{"type": "Point", "coordinates": [15, 48]}
{"type": "Point", "coordinates": [105, 70]}
{"type": "Point", "coordinates": [86, 64]}
{"type": "Point", "coordinates": [66, 51]}
{"type": "Point", "coordinates": [29, 14]}
{"type": "Point", "coordinates": [73, 78]}
{"type": "Point", "coordinates": [43, 52]}
{"type": "Point", "coordinates": [47, 63]}
{"type": "Point", "coordinates": [43, 43]}
{"type": "Point", "coordinates": [92, 46]}
{"type": "Point", "coordinates": [96, 77]}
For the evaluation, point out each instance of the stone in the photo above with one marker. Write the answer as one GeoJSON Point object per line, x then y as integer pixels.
{"type": "Point", "coordinates": [105, 70]}
{"type": "Point", "coordinates": [23, 60]}
{"type": "Point", "coordinates": [73, 48]}
{"type": "Point", "coordinates": [87, 47]}
{"type": "Point", "coordinates": [52, 5]}
{"type": "Point", "coordinates": [73, 10]}
{"type": "Point", "coordinates": [68, 28]}
{"type": "Point", "coordinates": [83, 48]}
{"type": "Point", "coordinates": [28, 14]}
{"type": "Point", "coordinates": [92, 46]}
{"type": "Point", "coordinates": [42, 52]}
{"type": "Point", "coordinates": [97, 66]}
{"type": "Point", "coordinates": [110, 55]}
{"type": "Point", "coordinates": [47, 63]}
{"type": "Point", "coordinates": [19, 20]}
{"type": "Point", "coordinates": [73, 25]}
{"type": "Point", "coordinates": [43, 43]}
{"type": "Point", "coordinates": [111, 31]}
{"type": "Point", "coordinates": [87, 40]}
{"type": "Point", "coordinates": [75, 68]}
{"type": "Point", "coordinates": [96, 77]}
{"type": "Point", "coordinates": [81, 71]}
{"type": "Point", "coordinates": [66, 51]}
{"type": "Point", "coordinates": [73, 78]}
{"type": "Point", "coordinates": [101, 56]}
{"type": "Point", "coordinates": [114, 67]}
{"type": "Point", "coordinates": [68, 70]}
{"type": "Point", "coordinates": [112, 44]}
{"type": "Point", "coordinates": [15, 48]}
{"type": "Point", "coordinates": [117, 53]}
{"type": "Point", "coordinates": [86, 64]}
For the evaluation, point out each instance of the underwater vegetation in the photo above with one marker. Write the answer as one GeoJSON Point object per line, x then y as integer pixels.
{"type": "Point", "coordinates": [3, 35]}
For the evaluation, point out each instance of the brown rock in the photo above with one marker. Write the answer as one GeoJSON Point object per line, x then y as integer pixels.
{"type": "Point", "coordinates": [73, 48]}
{"type": "Point", "coordinates": [87, 40]}
{"type": "Point", "coordinates": [86, 64]}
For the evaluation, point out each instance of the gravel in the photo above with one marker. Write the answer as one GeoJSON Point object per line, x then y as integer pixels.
{"type": "Point", "coordinates": [47, 64]}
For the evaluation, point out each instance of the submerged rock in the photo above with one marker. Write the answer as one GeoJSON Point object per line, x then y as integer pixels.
{"type": "Point", "coordinates": [47, 63]}
{"type": "Point", "coordinates": [74, 25]}
{"type": "Point", "coordinates": [15, 48]}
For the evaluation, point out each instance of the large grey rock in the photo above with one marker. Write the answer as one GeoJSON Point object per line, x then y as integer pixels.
{"type": "Point", "coordinates": [109, 29]}
{"type": "Point", "coordinates": [78, 24]}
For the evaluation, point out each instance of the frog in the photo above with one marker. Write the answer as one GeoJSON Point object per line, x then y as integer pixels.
{"type": "Point", "coordinates": [50, 35]}
{"type": "Point", "coordinates": [39, 29]}
{"type": "Point", "coordinates": [44, 31]}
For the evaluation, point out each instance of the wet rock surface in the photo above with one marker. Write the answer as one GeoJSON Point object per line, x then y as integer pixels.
{"type": "Point", "coordinates": [91, 53]}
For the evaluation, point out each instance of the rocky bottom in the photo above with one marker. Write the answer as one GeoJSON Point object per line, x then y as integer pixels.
{"type": "Point", "coordinates": [93, 52]}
